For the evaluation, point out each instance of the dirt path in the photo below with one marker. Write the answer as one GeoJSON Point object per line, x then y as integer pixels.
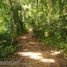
{"type": "Point", "coordinates": [32, 53]}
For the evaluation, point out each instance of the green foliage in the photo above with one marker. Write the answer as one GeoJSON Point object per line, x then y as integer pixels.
{"type": "Point", "coordinates": [7, 50]}
{"type": "Point", "coordinates": [7, 45]}
{"type": "Point", "coordinates": [47, 18]}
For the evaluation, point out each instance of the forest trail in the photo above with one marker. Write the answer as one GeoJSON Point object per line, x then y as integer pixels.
{"type": "Point", "coordinates": [32, 53]}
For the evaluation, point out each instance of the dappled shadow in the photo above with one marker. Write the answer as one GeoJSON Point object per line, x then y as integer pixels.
{"type": "Point", "coordinates": [34, 52]}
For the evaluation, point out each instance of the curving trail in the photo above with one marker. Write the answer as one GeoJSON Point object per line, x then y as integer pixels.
{"type": "Point", "coordinates": [32, 53]}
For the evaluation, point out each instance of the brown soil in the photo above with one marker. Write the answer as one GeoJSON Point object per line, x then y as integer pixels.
{"type": "Point", "coordinates": [28, 50]}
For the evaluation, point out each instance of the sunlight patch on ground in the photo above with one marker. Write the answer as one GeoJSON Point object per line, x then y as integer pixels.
{"type": "Point", "coordinates": [33, 43]}
{"type": "Point", "coordinates": [36, 56]}
{"type": "Point", "coordinates": [30, 30]}
{"type": "Point", "coordinates": [48, 60]}
{"type": "Point", "coordinates": [32, 55]}
{"type": "Point", "coordinates": [23, 37]}
{"type": "Point", "coordinates": [55, 52]}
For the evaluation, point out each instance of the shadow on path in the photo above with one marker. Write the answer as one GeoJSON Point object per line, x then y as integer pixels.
{"type": "Point", "coordinates": [32, 53]}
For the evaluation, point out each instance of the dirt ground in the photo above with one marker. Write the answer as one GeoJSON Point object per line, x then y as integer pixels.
{"type": "Point", "coordinates": [32, 53]}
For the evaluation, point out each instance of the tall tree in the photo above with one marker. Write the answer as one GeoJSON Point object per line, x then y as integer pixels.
{"type": "Point", "coordinates": [17, 14]}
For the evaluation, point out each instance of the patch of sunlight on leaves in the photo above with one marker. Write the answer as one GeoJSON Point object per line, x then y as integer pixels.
{"type": "Point", "coordinates": [3, 29]}
{"type": "Point", "coordinates": [1, 21]}
{"type": "Point", "coordinates": [46, 34]}
{"type": "Point", "coordinates": [26, 7]}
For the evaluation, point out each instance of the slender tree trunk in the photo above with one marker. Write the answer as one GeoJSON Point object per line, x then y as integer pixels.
{"type": "Point", "coordinates": [17, 19]}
